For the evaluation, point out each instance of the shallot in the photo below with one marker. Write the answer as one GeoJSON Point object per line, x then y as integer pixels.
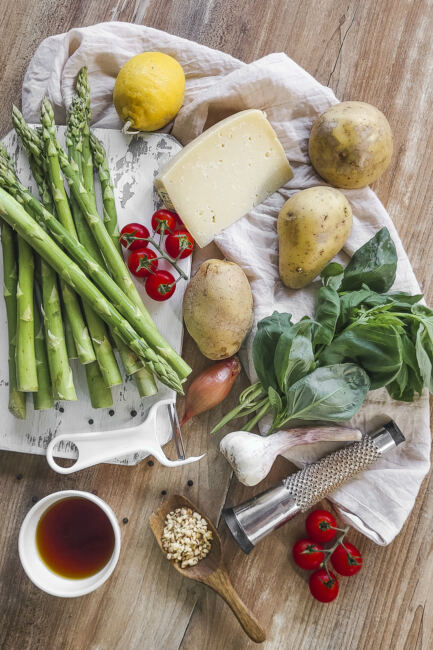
{"type": "Point", "coordinates": [210, 387]}
{"type": "Point", "coordinates": [252, 456]}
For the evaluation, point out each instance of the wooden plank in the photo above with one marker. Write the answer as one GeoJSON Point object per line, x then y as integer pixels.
{"type": "Point", "coordinates": [365, 51]}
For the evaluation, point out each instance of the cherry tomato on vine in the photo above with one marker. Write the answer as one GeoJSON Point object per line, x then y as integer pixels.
{"type": "Point", "coordinates": [160, 286]}
{"type": "Point", "coordinates": [142, 262]}
{"type": "Point", "coordinates": [164, 220]}
{"type": "Point", "coordinates": [323, 586]}
{"type": "Point", "coordinates": [130, 231]}
{"type": "Point", "coordinates": [346, 559]}
{"type": "Point", "coordinates": [308, 554]}
{"type": "Point", "coordinates": [179, 244]}
{"type": "Point", "coordinates": [320, 526]}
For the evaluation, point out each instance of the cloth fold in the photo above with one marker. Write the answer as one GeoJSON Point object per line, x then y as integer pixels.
{"type": "Point", "coordinates": [378, 501]}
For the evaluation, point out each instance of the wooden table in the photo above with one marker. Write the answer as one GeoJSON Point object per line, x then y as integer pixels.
{"type": "Point", "coordinates": [376, 51]}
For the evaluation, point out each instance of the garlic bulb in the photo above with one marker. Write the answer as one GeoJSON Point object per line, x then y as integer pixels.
{"type": "Point", "coordinates": [252, 456]}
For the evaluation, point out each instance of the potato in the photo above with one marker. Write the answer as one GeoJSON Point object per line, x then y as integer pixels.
{"type": "Point", "coordinates": [313, 226]}
{"type": "Point", "coordinates": [218, 308]}
{"type": "Point", "coordinates": [351, 144]}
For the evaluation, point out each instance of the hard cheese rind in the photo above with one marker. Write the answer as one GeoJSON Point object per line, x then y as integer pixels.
{"type": "Point", "coordinates": [223, 173]}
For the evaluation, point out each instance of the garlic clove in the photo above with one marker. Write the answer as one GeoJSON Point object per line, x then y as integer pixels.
{"type": "Point", "coordinates": [249, 454]}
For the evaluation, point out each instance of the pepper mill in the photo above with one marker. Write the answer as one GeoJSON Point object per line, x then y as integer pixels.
{"type": "Point", "coordinates": [253, 520]}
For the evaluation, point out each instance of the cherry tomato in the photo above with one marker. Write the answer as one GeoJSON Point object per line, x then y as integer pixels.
{"type": "Point", "coordinates": [160, 286]}
{"type": "Point", "coordinates": [308, 554]}
{"type": "Point", "coordinates": [323, 587]}
{"type": "Point", "coordinates": [164, 220]}
{"type": "Point", "coordinates": [143, 262]}
{"type": "Point", "coordinates": [346, 559]}
{"type": "Point", "coordinates": [179, 244]}
{"type": "Point", "coordinates": [130, 231]}
{"type": "Point", "coordinates": [320, 526]}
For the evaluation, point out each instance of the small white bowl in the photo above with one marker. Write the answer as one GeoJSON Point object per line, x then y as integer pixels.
{"type": "Point", "coordinates": [37, 570]}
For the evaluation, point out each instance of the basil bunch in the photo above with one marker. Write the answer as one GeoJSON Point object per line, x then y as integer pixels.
{"type": "Point", "coordinates": [361, 338]}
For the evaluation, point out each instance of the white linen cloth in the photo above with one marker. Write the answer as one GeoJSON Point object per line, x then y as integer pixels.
{"type": "Point", "coordinates": [380, 499]}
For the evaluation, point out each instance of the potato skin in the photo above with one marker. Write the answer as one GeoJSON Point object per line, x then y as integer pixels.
{"type": "Point", "coordinates": [351, 144]}
{"type": "Point", "coordinates": [218, 308]}
{"type": "Point", "coordinates": [313, 226]}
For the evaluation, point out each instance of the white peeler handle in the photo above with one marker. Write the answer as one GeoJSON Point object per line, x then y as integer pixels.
{"type": "Point", "coordinates": [94, 448]}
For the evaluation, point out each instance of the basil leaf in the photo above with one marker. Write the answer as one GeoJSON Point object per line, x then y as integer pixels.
{"type": "Point", "coordinates": [409, 380]}
{"type": "Point", "coordinates": [332, 275]}
{"type": "Point", "coordinates": [327, 313]}
{"type": "Point", "coordinates": [348, 302]}
{"type": "Point", "coordinates": [425, 314]}
{"type": "Point", "coordinates": [424, 343]}
{"type": "Point", "coordinates": [401, 300]}
{"type": "Point", "coordinates": [374, 264]}
{"type": "Point", "coordinates": [376, 348]}
{"type": "Point", "coordinates": [334, 393]}
{"type": "Point", "coordinates": [275, 400]}
{"type": "Point", "coordinates": [268, 333]}
{"type": "Point", "coordinates": [294, 355]}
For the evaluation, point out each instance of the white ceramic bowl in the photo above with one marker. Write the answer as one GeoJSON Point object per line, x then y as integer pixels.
{"type": "Point", "coordinates": [35, 568]}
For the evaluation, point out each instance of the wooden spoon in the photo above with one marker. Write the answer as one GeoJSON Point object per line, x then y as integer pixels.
{"type": "Point", "coordinates": [211, 571]}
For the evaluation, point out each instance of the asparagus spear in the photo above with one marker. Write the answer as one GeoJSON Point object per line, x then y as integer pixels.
{"type": "Point", "coordinates": [61, 374]}
{"type": "Point", "coordinates": [98, 331]}
{"type": "Point", "coordinates": [14, 214]}
{"type": "Point", "coordinates": [17, 399]}
{"type": "Point", "coordinates": [79, 141]}
{"type": "Point", "coordinates": [100, 394]}
{"type": "Point", "coordinates": [83, 93]}
{"type": "Point", "coordinates": [69, 337]}
{"type": "Point", "coordinates": [117, 266]}
{"type": "Point", "coordinates": [55, 175]}
{"type": "Point", "coordinates": [110, 212]}
{"type": "Point", "coordinates": [27, 377]}
{"type": "Point", "coordinates": [43, 399]}
{"type": "Point", "coordinates": [82, 338]}
{"type": "Point", "coordinates": [32, 142]}
{"type": "Point", "coordinates": [144, 381]}
{"type": "Point", "coordinates": [63, 387]}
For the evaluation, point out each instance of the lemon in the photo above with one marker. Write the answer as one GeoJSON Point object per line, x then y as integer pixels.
{"type": "Point", "coordinates": [149, 91]}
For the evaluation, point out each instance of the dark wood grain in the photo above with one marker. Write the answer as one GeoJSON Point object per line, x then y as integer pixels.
{"type": "Point", "coordinates": [380, 52]}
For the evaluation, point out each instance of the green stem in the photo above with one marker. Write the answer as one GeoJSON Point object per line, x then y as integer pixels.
{"type": "Point", "coordinates": [247, 404]}
{"type": "Point", "coordinates": [105, 357]}
{"type": "Point", "coordinates": [262, 412]}
{"type": "Point", "coordinates": [107, 188]}
{"type": "Point", "coordinates": [329, 551]}
{"type": "Point", "coordinates": [69, 339]}
{"type": "Point", "coordinates": [13, 212]}
{"type": "Point", "coordinates": [118, 269]}
{"type": "Point", "coordinates": [144, 380]}
{"type": "Point", "coordinates": [167, 257]}
{"type": "Point", "coordinates": [27, 377]}
{"type": "Point", "coordinates": [61, 374]}
{"type": "Point", "coordinates": [43, 399]}
{"type": "Point", "coordinates": [33, 145]}
{"type": "Point", "coordinates": [17, 399]}
{"type": "Point", "coordinates": [82, 337]}
{"type": "Point", "coordinates": [100, 394]}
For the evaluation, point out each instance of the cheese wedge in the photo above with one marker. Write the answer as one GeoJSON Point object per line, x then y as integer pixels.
{"type": "Point", "coordinates": [223, 173]}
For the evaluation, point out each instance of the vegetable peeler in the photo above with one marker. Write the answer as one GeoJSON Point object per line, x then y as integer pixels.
{"type": "Point", "coordinates": [100, 447]}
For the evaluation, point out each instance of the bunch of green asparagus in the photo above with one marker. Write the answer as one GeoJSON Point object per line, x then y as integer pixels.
{"type": "Point", "coordinates": [67, 290]}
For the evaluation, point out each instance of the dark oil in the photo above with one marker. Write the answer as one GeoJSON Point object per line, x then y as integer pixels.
{"type": "Point", "coordinates": [75, 538]}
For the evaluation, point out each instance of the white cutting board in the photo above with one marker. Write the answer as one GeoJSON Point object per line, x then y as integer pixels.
{"type": "Point", "coordinates": [134, 162]}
